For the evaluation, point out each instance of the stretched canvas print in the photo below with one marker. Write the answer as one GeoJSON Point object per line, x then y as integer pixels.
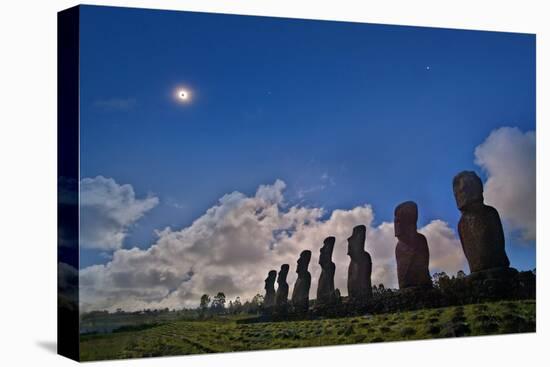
{"type": "Point", "coordinates": [234, 183]}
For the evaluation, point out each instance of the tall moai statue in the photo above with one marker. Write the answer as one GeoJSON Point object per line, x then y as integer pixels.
{"type": "Point", "coordinates": [411, 253]}
{"type": "Point", "coordinates": [300, 294]}
{"type": "Point", "coordinates": [360, 267]}
{"type": "Point", "coordinates": [325, 289]}
{"type": "Point", "coordinates": [281, 297]}
{"type": "Point", "coordinates": [479, 228]}
{"type": "Point", "coordinates": [269, 299]}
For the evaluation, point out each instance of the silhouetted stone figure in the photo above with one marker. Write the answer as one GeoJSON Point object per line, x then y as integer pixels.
{"type": "Point", "coordinates": [411, 253]}
{"type": "Point", "coordinates": [300, 294]}
{"type": "Point", "coordinates": [479, 228]}
{"type": "Point", "coordinates": [281, 297]}
{"type": "Point", "coordinates": [360, 267]}
{"type": "Point", "coordinates": [326, 293]}
{"type": "Point", "coordinates": [269, 299]}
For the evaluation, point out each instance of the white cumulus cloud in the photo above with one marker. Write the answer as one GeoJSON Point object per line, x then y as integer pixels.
{"type": "Point", "coordinates": [508, 157]}
{"type": "Point", "coordinates": [234, 244]}
{"type": "Point", "coordinates": [107, 210]}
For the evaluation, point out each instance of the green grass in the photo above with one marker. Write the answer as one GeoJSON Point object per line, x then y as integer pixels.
{"type": "Point", "coordinates": [224, 334]}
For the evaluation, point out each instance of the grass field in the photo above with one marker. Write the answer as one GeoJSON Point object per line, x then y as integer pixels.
{"type": "Point", "coordinates": [226, 334]}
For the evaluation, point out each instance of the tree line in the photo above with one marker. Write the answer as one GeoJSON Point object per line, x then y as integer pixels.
{"type": "Point", "coordinates": [218, 305]}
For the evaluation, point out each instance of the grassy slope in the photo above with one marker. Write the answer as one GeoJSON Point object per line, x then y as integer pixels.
{"type": "Point", "coordinates": [102, 323]}
{"type": "Point", "coordinates": [226, 335]}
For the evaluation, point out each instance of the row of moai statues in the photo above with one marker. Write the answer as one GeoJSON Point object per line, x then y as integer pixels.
{"type": "Point", "coordinates": [480, 231]}
{"type": "Point", "coordinates": [359, 277]}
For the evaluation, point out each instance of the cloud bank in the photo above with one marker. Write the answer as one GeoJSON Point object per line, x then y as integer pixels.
{"type": "Point", "coordinates": [508, 156]}
{"type": "Point", "coordinates": [234, 244]}
{"type": "Point", "coordinates": [107, 211]}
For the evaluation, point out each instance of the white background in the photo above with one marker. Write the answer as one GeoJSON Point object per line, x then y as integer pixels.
{"type": "Point", "coordinates": [28, 182]}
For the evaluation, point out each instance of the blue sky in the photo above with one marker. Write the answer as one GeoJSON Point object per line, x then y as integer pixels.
{"type": "Point", "coordinates": [344, 113]}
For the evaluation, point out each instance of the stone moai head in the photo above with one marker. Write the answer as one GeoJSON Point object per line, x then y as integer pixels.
{"type": "Point", "coordinates": [283, 273]}
{"type": "Point", "coordinates": [406, 216]}
{"type": "Point", "coordinates": [356, 242]}
{"type": "Point", "coordinates": [468, 189]}
{"type": "Point", "coordinates": [326, 251]}
{"type": "Point", "coordinates": [303, 261]}
{"type": "Point", "coordinates": [270, 280]}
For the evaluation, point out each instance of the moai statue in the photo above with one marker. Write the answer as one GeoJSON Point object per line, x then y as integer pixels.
{"type": "Point", "coordinates": [269, 299]}
{"type": "Point", "coordinates": [300, 294]}
{"type": "Point", "coordinates": [479, 228]}
{"type": "Point", "coordinates": [281, 297]}
{"type": "Point", "coordinates": [325, 289]}
{"type": "Point", "coordinates": [360, 267]}
{"type": "Point", "coordinates": [411, 253]}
